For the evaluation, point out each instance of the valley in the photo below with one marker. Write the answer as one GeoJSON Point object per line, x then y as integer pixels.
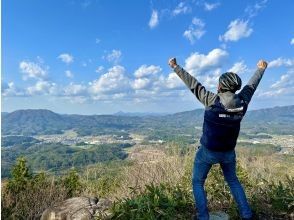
{"type": "Point", "coordinates": [54, 143]}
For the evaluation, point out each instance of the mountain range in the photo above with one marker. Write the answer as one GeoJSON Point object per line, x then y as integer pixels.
{"type": "Point", "coordinates": [42, 121]}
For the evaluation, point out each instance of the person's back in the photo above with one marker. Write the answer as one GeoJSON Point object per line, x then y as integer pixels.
{"type": "Point", "coordinates": [221, 124]}
{"type": "Point", "coordinates": [223, 114]}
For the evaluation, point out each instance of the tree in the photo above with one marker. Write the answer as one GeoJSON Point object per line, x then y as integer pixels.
{"type": "Point", "coordinates": [21, 176]}
{"type": "Point", "coordinates": [72, 183]}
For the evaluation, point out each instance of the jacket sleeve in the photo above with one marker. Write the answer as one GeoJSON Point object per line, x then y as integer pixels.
{"type": "Point", "coordinates": [207, 98]}
{"type": "Point", "coordinates": [248, 90]}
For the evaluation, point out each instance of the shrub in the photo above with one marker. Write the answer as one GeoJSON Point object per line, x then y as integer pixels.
{"type": "Point", "coordinates": [155, 202]}
{"type": "Point", "coordinates": [274, 199]}
{"type": "Point", "coordinates": [72, 183]}
{"type": "Point", "coordinates": [281, 195]}
{"type": "Point", "coordinates": [26, 196]}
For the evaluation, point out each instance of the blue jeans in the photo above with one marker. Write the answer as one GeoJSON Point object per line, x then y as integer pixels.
{"type": "Point", "coordinates": [204, 159]}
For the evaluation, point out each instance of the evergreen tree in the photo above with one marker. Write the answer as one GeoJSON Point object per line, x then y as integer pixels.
{"type": "Point", "coordinates": [21, 176]}
{"type": "Point", "coordinates": [72, 183]}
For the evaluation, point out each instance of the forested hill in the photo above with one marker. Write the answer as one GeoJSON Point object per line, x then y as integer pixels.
{"type": "Point", "coordinates": [33, 122]}
{"type": "Point", "coordinates": [272, 114]}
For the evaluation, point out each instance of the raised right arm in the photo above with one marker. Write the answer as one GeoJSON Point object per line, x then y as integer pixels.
{"type": "Point", "coordinates": [206, 97]}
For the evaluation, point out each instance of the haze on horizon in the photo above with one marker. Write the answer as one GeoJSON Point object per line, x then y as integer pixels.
{"type": "Point", "coordinates": [101, 57]}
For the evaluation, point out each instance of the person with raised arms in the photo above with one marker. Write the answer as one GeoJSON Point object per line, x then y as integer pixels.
{"type": "Point", "coordinates": [224, 112]}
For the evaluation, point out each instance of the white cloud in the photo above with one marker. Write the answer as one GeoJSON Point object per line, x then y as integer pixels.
{"type": "Point", "coordinates": [66, 58]}
{"type": "Point", "coordinates": [195, 30]}
{"type": "Point", "coordinates": [119, 95]}
{"type": "Point", "coordinates": [237, 29]}
{"type": "Point", "coordinates": [181, 8]}
{"type": "Point", "coordinates": [210, 7]}
{"type": "Point", "coordinates": [273, 93]}
{"type": "Point", "coordinates": [277, 93]}
{"type": "Point", "coordinates": [32, 70]}
{"type": "Point", "coordinates": [253, 10]}
{"type": "Point", "coordinates": [145, 70]}
{"type": "Point", "coordinates": [153, 22]}
{"type": "Point", "coordinates": [69, 74]}
{"type": "Point", "coordinates": [75, 90]}
{"type": "Point", "coordinates": [145, 94]}
{"type": "Point", "coordinates": [9, 89]}
{"type": "Point", "coordinates": [154, 86]}
{"type": "Point", "coordinates": [43, 88]}
{"type": "Point", "coordinates": [281, 62]}
{"type": "Point", "coordinates": [114, 56]}
{"type": "Point", "coordinates": [292, 41]}
{"type": "Point", "coordinates": [99, 69]}
{"type": "Point", "coordinates": [283, 87]}
{"type": "Point", "coordinates": [97, 40]}
{"type": "Point", "coordinates": [141, 83]}
{"type": "Point", "coordinates": [147, 78]}
{"type": "Point", "coordinates": [147, 84]}
{"type": "Point", "coordinates": [173, 81]}
{"type": "Point", "coordinates": [239, 68]}
{"type": "Point", "coordinates": [210, 81]}
{"type": "Point", "coordinates": [286, 80]}
{"type": "Point", "coordinates": [196, 62]}
{"type": "Point", "coordinates": [112, 81]}
{"type": "Point", "coordinates": [66, 91]}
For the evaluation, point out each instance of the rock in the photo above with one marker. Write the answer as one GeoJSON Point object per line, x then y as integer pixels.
{"type": "Point", "coordinates": [104, 204]}
{"type": "Point", "coordinates": [218, 216]}
{"type": "Point", "coordinates": [77, 208]}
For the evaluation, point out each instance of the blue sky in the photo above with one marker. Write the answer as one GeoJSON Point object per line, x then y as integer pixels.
{"type": "Point", "coordinates": [104, 56]}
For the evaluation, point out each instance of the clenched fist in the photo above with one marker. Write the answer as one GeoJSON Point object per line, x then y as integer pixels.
{"type": "Point", "coordinates": [262, 64]}
{"type": "Point", "coordinates": [172, 62]}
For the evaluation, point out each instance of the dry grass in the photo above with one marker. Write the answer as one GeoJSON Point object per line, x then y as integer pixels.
{"type": "Point", "coordinates": [153, 165]}
{"type": "Point", "coordinates": [271, 167]}
{"type": "Point", "coordinates": [172, 169]}
{"type": "Point", "coordinates": [148, 165]}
